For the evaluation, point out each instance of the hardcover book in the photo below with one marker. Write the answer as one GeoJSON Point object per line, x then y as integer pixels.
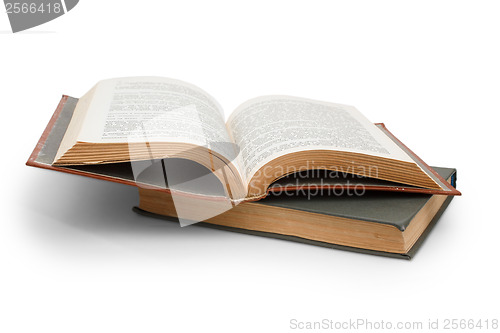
{"type": "Point", "coordinates": [136, 122]}
{"type": "Point", "coordinates": [390, 224]}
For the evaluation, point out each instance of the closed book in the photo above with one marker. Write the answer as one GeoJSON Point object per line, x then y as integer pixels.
{"type": "Point", "coordinates": [391, 224]}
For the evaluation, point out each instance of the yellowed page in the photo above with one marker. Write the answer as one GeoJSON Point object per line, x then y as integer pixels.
{"type": "Point", "coordinates": [151, 109]}
{"type": "Point", "coordinates": [267, 127]}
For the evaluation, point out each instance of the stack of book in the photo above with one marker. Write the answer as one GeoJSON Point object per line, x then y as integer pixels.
{"type": "Point", "coordinates": [281, 166]}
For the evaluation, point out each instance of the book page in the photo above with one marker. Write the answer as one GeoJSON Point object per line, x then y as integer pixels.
{"type": "Point", "coordinates": [155, 109]}
{"type": "Point", "coordinates": [268, 127]}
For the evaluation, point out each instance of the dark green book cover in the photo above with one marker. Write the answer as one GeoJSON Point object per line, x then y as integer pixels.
{"type": "Point", "coordinates": [393, 208]}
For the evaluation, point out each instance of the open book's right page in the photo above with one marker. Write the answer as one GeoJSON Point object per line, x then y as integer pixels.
{"type": "Point", "coordinates": [272, 126]}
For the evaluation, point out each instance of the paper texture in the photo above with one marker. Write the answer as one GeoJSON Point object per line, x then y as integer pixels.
{"type": "Point", "coordinates": [152, 109]}
{"type": "Point", "coordinates": [268, 127]}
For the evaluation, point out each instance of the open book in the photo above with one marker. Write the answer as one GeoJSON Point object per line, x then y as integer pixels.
{"type": "Point", "coordinates": [264, 140]}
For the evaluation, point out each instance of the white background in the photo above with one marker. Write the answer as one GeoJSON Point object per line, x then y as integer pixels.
{"type": "Point", "coordinates": [75, 258]}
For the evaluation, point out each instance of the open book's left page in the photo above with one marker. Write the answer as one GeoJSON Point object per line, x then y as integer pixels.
{"type": "Point", "coordinates": [147, 110]}
{"type": "Point", "coordinates": [146, 120]}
